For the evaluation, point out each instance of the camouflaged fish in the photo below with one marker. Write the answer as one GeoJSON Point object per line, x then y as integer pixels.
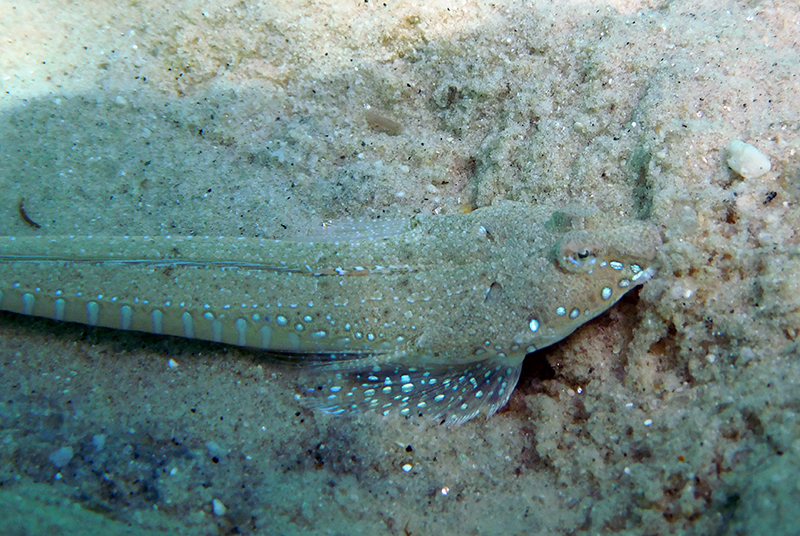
{"type": "Point", "coordinates": [427, 316]}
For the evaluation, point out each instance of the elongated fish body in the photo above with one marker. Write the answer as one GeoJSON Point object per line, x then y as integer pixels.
{"type": "Point", "coordinates": [432, 315]}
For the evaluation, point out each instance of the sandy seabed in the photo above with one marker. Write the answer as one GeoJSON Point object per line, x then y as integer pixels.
{"type": "Point", "coordinates": [674, 413]}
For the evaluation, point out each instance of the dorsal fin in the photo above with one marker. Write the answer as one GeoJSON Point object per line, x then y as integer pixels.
{"type": "Point", "coordinates": [352, 231]}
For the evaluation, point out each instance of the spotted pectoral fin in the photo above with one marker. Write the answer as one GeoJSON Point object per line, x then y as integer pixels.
{"type": "Point", "coordinates": [452, 394]}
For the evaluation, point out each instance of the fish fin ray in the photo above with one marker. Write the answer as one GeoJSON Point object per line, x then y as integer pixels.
{"type": "Point", "coordinates": [318, 363]}
{"type": "Point", "coordinates": [451, 394]}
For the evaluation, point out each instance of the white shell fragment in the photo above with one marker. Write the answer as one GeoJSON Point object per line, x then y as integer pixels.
{"type": "Point", "coordinates": [746, 160]}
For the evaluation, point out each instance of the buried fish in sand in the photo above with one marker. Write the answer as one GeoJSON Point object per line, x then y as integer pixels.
{"type": "Point", "coordinates": [432, 315]}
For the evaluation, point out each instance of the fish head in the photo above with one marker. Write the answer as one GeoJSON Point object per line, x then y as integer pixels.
{"type": "Point", "coordinates": [587, 272]}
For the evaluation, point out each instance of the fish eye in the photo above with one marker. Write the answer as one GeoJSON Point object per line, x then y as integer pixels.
{"type": "Point", "coordinates": [578, 251]}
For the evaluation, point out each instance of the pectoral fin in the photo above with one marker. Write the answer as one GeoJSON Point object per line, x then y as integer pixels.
{"type": "Point", "coordinates": [453, 394]}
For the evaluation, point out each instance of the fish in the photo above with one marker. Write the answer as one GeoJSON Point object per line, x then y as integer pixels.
{"type": "Point", "coordinates": [429, 316]}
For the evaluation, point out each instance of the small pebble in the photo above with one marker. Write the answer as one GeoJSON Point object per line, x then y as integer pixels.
{"type": "Point", "coordinates": [381, 123]}
{"type": "Point", "coordinates": [98, 440]}
{"type": "Point", "coordinates": [746, 160]}
{"type": "Point", "coordinates": [62, 456]}
{"type": "Point", "coordinates": [215, 450]}
{"type": "Point", "coordinates": [407, 467]}
{"type": "Point", "coordinates": [172, 364]}
{"type": "Point", "coordinates": [219, 508]}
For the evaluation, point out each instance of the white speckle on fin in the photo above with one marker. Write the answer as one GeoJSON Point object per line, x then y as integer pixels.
{"type": "Point", "coordinates": [28, 302]}
{"type": "Point", "coordinates": [452, 394]}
